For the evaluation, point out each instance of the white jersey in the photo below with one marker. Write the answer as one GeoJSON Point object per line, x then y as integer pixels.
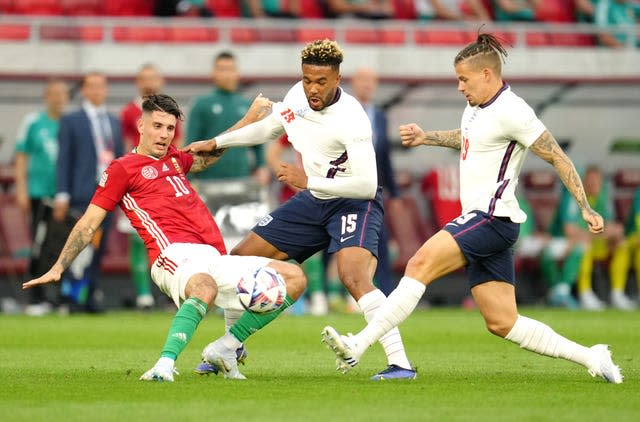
{"type": "Point", "coordinates": [323, 137]}
{"type": "Point", "coordinates": [494, 141]}
{"type": "Point", "coordinates": [335, 143]}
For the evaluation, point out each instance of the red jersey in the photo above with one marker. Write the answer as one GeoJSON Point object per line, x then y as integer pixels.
{"type": "Point", "coordinates": [129, 121]}
{"type": "Point", "coordinates": [158, 200]}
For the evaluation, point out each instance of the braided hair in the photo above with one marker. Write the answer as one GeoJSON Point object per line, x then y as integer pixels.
{"type": "Point", "coordinates": [487, 51]}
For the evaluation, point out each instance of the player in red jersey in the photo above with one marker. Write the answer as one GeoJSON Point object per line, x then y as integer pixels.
{"type": "Point", "coordinates": [190, 263]}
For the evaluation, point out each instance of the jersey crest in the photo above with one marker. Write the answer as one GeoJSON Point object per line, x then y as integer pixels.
{"type": "Point", "coordinates": [149, 172]}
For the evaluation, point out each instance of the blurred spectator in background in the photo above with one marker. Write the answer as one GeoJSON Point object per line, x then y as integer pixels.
{"type": "Point", "coordinates": [195, 8]}
{"type": "Point", "coordinates": [272, 8]}
{"type": "Point", "coordinates": [369, 9]}
{"type": "Point", "coordinates": [89, 139]}
{"type": "Point", "coordinates": [35, 175]}
{"type": "Point", "coordinates": [213, 113]}
{"type": "Point", "coordinates": [148, 81]}
{"type": "Point", "coordinates": [364, 85]}
{"type": "Point", "coordinates": [562, 256]}
{"type": "Point", "coordinates": [584, 10]}
{"type": "Point", "coordinates": [609, 244]}
{"type": "Point", "coordinates": [515, 10]}
{"type": "Point", "coordinates": [452, 10]}
{"type": "Point", "coordinates": [617, 18]}
{"type": "Point", "coordinates": [632, 232]}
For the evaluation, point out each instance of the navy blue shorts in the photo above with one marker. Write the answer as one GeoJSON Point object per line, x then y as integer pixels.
{"type": "Point", "coordinates": [305, 225]}
{"type": "Point", "coordinates": [487, 243]}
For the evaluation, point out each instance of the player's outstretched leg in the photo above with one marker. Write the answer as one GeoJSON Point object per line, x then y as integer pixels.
{"type": "Point", "coordinates": [182, 328]}
{"type": "Point", "coordinates": [398, 367]}
{"type": "Point", "coordinates": [540, 338]}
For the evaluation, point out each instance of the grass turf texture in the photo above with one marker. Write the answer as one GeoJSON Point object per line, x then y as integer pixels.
{"type": "Point", "coordinates": [86, 368]}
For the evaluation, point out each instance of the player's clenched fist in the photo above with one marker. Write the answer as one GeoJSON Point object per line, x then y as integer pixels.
{"type": "Point", "coordinates": [411, 135]}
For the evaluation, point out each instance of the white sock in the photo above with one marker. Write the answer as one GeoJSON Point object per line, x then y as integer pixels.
{"type": "Point", "coordinates": [391, 342]}
{"type": "Point", "coordinates": [395, 309]}
{"type": "Point", "coordinates": [230, 318]}
{"type": "Point", "coordinates": [230, 341]}
{"type": "Point", "coordinates": [165, 363]}
{"type": "Point", "coordinates": [540, 338]}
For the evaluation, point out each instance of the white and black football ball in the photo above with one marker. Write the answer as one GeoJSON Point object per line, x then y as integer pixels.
{"type": "Point", "coordinates": [262, 290]}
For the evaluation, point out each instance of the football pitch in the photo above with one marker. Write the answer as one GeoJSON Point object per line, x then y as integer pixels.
{"type": "Point", "coordinates": [86, 368]}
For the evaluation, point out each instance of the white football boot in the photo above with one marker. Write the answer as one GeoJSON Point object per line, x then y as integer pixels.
{"type": "Point", "coordinates": [224, 358]}
{"type": "Point", "coordinates": [346, 348]}
{"type": "Point", "coordinates": [601, 365]}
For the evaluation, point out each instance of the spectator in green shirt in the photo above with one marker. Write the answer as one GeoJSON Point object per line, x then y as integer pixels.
{"type": "Point", "coordinates": [215, 112]}
{"type": "Point", "coordinates": [35, 173]}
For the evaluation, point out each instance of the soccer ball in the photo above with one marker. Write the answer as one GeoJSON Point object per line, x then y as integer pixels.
{"type": "Point", "coordinates": [262, 290]}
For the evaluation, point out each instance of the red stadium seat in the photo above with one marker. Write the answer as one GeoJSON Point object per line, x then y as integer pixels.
{"type": "Point", "coordinates": [15, 32]}
{"type": "Point", "coordinates": [443, 37]}
{"type": "Point", "coordinates": [305, 35]}
{"type": "Point", "coordinates": [116, 255]}
{"type": "Point", "coordinates": [404, 9]}
{"type": "Point", "coordinates": [71, 33]}
{"type": "Point", "coordinates": [192, 35]}
{"type": "Point", "coordinates": [310, 9]}
{"type": "Point", "coordinates": [15, 240]}
{"type": "Point", "coordinates": [541, 191]}
{"type": "Point", "coordinates": [408, 228]}
{"type": "Point", "coordinates": [374, 36]}
{"type": "Point", "coordinates": [37, 7]}
{"type": "Point", "coordinates": [82, 7]}
{"type": "Point", "coordinates": [555, 11]}
{"type": "Point", "coordinates": [625, 183]}
{"type": "Point", "coordinates": [225, 8]}
{"type": "Point", "coordinates": [141, 34]}
{"type": "Point", "coordinates": [244, 35]}
{"type": "Point", "coordinates": [128, 8]}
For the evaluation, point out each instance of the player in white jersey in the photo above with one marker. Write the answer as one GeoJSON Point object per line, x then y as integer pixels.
{"type": "Point", "coordinates": [340, 205]}
{"type": "Point", "coordinates": [496, 130]}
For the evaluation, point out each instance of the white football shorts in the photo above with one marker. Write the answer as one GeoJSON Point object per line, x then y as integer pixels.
{"type": "Point", "coordinates": [180, 261]}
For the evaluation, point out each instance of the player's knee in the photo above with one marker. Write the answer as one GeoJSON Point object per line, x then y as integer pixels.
{"type": "Point", "coordinates": [293, 276]}
{"type": "Point", "coordinates": [499, 327]}
{"type": "Point", "coordinates": [203, 287]}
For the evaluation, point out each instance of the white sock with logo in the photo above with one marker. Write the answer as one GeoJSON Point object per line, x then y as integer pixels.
{"type": "Point", "coordinates": [391, 342]}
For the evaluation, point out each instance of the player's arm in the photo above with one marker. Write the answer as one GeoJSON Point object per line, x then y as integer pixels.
{"type": "Point", "coordinates": [412, 135]}
{"type": "Point", "coordinates": [260, 108]}
{"type": "Point", "coordinates": [80, 236]}
{"type": "Point", "coordinates": [547, 148]}
{"type": "Point", "coordinates": [202, 161]}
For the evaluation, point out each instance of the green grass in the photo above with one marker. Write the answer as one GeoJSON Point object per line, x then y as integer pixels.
{"type": "Point", "coordinates": [86, 368]}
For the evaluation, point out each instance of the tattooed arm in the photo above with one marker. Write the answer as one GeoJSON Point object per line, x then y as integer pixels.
{"type": "Point", "coordinates": [547, 148]}
{"type": "Point", "coordinates": [412, 135]}
{"type": "Point", "coordinates": [80, 236]}
{"type": "Point", "coordinates": [202, 161]}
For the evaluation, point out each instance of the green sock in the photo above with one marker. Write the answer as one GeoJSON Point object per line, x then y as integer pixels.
{"type": "Point", "coordinates": [139, 262]}
{"type": "Point", "coordinates": [250, 322]}
{"type": "Point", "coordinates": [571, 266]}
{"type": "Point", "coordinates": [549, 269]}
{"type": "Point", "coordinates": [183, 326]}
{"type": "Point", "coordinates": [314, 269]}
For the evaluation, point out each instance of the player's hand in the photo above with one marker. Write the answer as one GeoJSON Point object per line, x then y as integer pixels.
{"type": "Point", "coordinates": [411, 135]}
{"type": "Point", "coordinates": [51, 276]}
{"type": "Point", "coordinates": [292, 175]}
{"type": "Point", "coordinates": [594, 220]}
{"type": "Point", "coordinates": [201, 147]}
{"type": "Point", "coordinates": [60, 210]}
{"type": "Point", "coordinates": [23, 201]}
{"type": "Point", "coordinates": [260, 107]}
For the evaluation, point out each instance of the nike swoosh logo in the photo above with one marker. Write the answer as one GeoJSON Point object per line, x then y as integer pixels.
{"type": "Point", "coordinates": [342, 239]}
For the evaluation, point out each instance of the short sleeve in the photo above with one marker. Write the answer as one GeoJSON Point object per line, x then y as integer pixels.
{"type": "Point", "coordinates": [113, 185]}
{"type": "Point", "coordinates": [522, 124]}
